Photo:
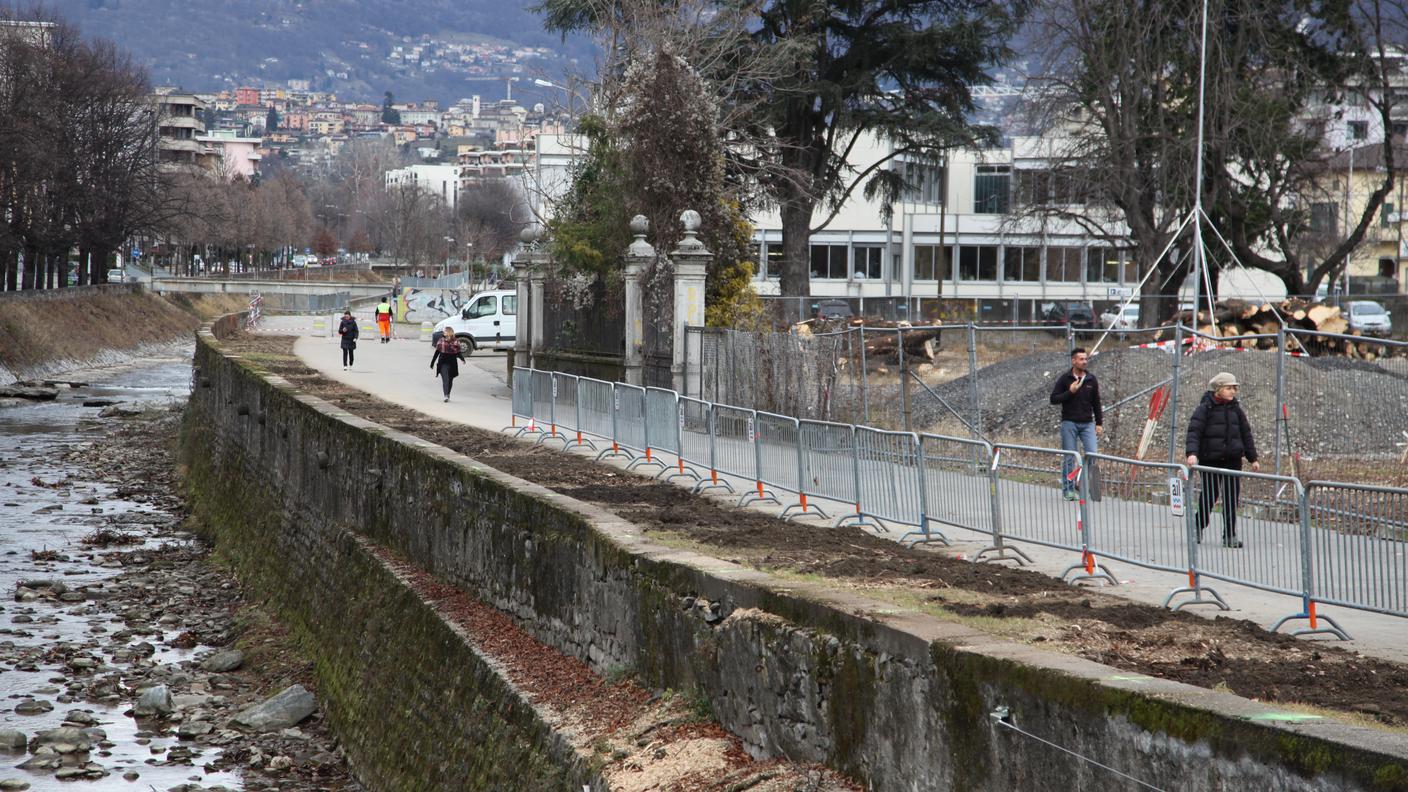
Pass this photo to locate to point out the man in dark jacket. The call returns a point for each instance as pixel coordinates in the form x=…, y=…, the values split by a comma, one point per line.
x=1078, y=393
x=1219, y=435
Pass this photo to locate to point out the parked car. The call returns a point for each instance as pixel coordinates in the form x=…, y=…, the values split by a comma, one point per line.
x=830, y=310
x=1369, y=318
x=1127, y=319
x=1076, y=314
x=120, y=276
x=488, y=321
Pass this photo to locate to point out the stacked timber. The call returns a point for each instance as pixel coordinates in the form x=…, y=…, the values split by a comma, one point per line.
x=1232, y=318
x=883, y=338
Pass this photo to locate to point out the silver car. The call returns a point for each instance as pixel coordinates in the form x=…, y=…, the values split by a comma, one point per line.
x=1369, y=318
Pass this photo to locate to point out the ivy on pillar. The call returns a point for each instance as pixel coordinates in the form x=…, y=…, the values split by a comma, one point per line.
x=639, y=256
x=692, y=261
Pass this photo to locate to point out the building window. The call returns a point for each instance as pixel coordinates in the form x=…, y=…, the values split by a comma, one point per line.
x=1102, y=265
x=870, y=262
x=1358, y=130
x=991, y=189
x=932, y=262
x=1061, y=187
x=1386, y=217
x=1063, y=264
x=977, y=263
x=1322, y=218
x=924, y=182
x=774, y=260
x=829, y=262
x=1021, y=263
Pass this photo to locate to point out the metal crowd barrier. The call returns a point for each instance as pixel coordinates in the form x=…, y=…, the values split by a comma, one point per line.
x=889, y=477
x=1325, y=542
x=957, y=477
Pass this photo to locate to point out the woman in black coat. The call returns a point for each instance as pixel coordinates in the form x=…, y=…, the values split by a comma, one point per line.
x=1219, y=436
x=347, y=328
x=446, y=360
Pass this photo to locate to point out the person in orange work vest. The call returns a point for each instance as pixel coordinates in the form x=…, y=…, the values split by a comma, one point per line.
x=383, y=320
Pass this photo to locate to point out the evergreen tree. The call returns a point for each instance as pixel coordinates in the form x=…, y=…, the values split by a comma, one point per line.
x=271, y=122
x=389, y=114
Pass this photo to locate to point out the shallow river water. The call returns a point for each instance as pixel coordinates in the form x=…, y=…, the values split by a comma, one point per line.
x=34, y=438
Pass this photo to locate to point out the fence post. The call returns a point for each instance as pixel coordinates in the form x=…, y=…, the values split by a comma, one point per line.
x=1173, y=393
x=864, y=381
x=904, y=380
x=1280, y=392
x=973, y=380
x=639, y=255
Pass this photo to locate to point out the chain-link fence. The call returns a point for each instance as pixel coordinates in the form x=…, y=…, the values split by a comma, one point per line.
x=1321, y=405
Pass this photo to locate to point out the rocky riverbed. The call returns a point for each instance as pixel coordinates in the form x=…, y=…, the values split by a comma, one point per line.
x=128, y=656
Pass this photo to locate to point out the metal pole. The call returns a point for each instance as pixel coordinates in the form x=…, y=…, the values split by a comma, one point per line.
x=1280, y=391
x=904, y=381
x=1173, y=393
x=973, y=379
x=864, y=381
x=685, y=385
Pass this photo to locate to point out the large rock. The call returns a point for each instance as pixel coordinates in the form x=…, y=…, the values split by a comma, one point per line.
x=31, y=392
x=154, y=701
x=289, y=707
x=220, y=662
x=13, y=740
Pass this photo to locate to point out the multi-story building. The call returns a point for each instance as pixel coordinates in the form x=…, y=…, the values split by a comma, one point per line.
x=238, y=156
x=442, y=181
x=246, y=96
x=178, y=126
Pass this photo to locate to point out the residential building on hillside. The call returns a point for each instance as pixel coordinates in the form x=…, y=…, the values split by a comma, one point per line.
x=178, y=125
x=442, y=181
x=238, y=156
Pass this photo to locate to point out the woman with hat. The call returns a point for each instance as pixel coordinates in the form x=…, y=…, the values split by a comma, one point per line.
x=1219, y=436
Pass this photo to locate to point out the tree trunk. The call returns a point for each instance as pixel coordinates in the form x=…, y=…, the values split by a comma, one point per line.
x=796, y=248
x=85, y=275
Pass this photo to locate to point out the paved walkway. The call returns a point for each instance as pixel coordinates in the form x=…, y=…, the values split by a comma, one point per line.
x=399, y=372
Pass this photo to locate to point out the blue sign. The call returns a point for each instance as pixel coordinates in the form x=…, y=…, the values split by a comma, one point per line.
x=136, y=252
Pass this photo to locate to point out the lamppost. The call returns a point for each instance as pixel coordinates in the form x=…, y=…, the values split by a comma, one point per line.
x=449, y=251
x=571, y=94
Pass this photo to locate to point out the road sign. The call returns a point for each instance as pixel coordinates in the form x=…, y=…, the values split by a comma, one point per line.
x=1121, y=291
x=1175, y=495
x=136, y=252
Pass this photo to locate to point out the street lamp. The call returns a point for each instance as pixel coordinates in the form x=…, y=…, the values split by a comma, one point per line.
x=449, y=251
x=571, y=94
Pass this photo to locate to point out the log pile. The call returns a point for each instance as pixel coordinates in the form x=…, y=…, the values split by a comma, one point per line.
x=919, y=345
x=1238, y=318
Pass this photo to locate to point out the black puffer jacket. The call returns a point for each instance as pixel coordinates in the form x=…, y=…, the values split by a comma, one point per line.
x=1220, y=432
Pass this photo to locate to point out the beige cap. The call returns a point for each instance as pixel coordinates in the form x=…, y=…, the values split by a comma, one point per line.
x=1222, y=379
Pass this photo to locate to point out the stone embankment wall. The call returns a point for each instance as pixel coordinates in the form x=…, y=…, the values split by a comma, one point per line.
x=287, y=484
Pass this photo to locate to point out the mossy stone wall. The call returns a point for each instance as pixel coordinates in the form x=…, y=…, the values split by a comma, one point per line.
x=898, y=700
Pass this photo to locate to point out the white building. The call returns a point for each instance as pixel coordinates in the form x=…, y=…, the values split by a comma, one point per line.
x=439, y=180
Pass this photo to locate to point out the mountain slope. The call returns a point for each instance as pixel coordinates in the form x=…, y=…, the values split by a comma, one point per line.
x=338, y=45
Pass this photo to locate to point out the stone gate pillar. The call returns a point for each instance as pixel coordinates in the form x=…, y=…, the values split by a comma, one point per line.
x=538, y=266
x=639, y=256
x=691, y=263
x=522, y=267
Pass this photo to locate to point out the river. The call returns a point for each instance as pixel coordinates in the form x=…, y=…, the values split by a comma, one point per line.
x=39, y=440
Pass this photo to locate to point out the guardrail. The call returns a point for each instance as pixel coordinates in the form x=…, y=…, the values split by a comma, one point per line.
x=1324, y=542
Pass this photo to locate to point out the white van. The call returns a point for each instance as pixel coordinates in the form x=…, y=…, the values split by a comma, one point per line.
x=488, y=321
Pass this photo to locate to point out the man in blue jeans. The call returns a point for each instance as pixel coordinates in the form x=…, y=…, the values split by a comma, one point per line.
x=1078, y=393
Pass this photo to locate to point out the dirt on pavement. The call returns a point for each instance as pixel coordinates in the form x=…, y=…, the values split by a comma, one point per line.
x=1231, y=654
